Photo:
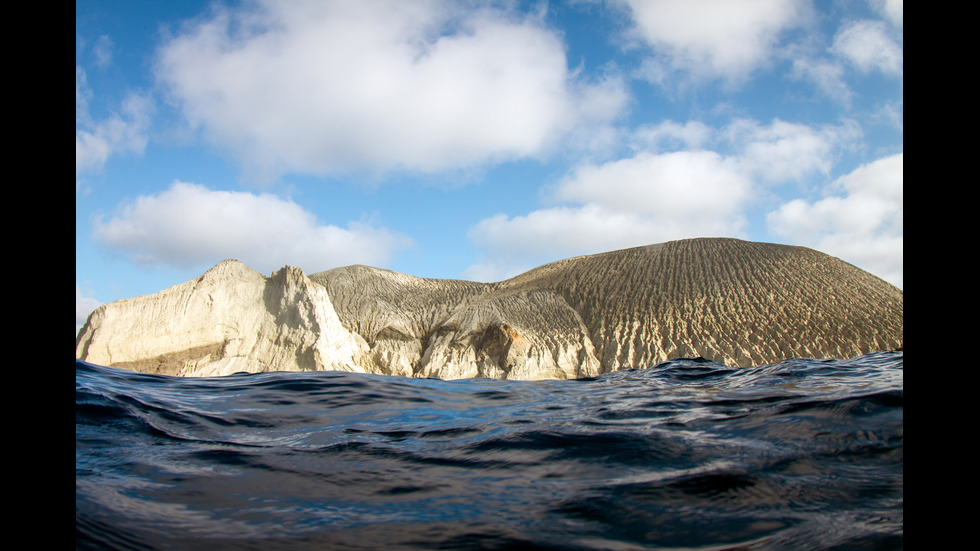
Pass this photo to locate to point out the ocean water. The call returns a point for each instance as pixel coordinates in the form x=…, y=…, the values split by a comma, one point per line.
x=686, y=455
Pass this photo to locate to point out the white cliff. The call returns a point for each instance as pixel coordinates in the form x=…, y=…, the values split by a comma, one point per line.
x=230, y=319
x=732, y=301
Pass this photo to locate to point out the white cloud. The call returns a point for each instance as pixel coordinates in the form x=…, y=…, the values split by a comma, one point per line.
x=189, y=225
x=828, y=76
x=891, y=113
x=860, y=221
x=894, y=10
x=712, y=38
x=83, y=307
x=648, y=198
x=671, y=136
x=657, y=196
x=661, y=185
x=784, y=152
x=121, y=132
x=330, y=86
x=515, y=244
x=867, y=45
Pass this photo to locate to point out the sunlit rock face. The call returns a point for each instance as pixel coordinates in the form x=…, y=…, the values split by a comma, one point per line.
x=734, y=302
x=230, y=319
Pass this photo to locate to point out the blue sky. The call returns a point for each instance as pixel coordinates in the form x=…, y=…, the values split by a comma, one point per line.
x=476, y=140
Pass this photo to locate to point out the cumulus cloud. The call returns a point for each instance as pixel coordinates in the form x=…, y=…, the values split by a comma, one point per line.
x=667, y=191
x=706, y=39
x=648, y=198
x=860, y=220
x=868, y=46
x=783, y=152
x=124, y=131
x=671, y=136
x=515, y=244
x=189, y=225
x=827, y=75
x=320, y=87
x=660, y=185
x=894, y=10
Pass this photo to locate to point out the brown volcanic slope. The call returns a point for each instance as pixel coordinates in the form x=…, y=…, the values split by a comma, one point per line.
x=735, y=302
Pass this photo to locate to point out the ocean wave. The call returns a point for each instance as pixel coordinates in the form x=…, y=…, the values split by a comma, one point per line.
x=804, y=454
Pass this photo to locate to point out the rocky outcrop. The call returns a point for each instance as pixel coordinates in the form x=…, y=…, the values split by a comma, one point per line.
x=734, y=302
x=459, y=329
x=731, y=301
x=230, y=319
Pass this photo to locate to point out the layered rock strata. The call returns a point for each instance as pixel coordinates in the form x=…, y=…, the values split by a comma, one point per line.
x=735, y=302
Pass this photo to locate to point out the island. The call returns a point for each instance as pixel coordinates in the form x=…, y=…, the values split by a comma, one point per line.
x=727, y=300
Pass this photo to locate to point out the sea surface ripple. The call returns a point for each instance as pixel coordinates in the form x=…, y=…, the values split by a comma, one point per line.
x=689, y=454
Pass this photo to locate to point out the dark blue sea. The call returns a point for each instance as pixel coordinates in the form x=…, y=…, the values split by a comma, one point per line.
x=686, y=455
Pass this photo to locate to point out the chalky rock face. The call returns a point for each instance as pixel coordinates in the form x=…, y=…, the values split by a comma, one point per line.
x=730, y=301
x=230, y=319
